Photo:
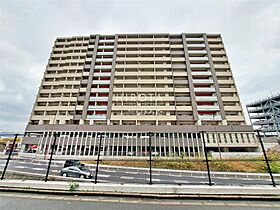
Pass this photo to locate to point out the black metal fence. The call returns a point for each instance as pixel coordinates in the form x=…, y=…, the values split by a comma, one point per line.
x=156, y=170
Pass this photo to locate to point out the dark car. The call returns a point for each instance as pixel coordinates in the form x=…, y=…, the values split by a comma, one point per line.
x=69, y=163
x=14, y=152
x=77, y=172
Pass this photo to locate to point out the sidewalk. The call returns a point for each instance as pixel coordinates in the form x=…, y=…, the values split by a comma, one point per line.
x=156, y=190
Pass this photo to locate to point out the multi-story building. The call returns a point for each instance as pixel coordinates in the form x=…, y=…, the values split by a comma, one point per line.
x=265, y=114
x=126, y=85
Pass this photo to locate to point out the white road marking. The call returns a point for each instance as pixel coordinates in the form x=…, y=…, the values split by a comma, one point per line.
x=103, y=175
x=39, y=169
x=38, y=164
x=157, y=180
x=20, y=166
x=127, y=177
x=198, y=177
x=128, y=172
x=181, y=181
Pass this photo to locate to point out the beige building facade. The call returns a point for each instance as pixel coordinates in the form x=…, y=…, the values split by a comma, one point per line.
x=126, y=85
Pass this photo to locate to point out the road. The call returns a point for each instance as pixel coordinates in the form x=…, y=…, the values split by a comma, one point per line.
x=132, y=175
x=27, y=201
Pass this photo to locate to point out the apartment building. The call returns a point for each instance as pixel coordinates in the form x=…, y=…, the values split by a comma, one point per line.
x=125, y=86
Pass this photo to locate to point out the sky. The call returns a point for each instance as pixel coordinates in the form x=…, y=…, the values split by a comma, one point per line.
x=28, y=28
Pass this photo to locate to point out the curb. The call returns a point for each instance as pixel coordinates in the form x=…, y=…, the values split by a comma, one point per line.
x=136, y=190
x=135, y=195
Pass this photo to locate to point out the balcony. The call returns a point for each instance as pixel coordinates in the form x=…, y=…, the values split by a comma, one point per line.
x=206, y=98
x=100, y=90
x=184, y=118
x=101, y=82
x=102, y=67
x=87, y=66
x=203, y=81
x=97, y=108
x=210, y=117
x=98, y=98
x=197, y=52
x=195, y=39
x=204, y=90
x=199, y=66
x=208, y=108
x=199, y=59
x=104, y=59
x=236, y=118
x=106, y=41
x=201, y=73
x=181, y=90
x=229, y=81
x=96, y=117
x=194, y=46
x=101, y=74
x=221, y=66
x=233, y=108
x=106, y=47
x=104, y=53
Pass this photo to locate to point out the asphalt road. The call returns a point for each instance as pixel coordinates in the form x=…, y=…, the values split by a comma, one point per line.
x=119, y=175
x=27, y=201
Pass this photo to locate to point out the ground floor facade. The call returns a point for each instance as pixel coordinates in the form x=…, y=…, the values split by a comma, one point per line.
x=127, y=141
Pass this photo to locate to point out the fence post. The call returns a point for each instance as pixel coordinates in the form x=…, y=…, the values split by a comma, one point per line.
x=52, y=150
x=206, y=158
x=266, y=159
x=9, y=157
x=98, y=158
x=150, y=154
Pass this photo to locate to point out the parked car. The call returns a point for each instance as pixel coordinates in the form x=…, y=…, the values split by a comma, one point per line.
x=69, y=163
x=14, y=152
x=77, y=172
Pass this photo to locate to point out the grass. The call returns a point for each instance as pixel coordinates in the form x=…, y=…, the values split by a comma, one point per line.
x=254, y=165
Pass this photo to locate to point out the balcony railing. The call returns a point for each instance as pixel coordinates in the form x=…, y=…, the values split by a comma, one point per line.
x=104, y=53
x=103, y=67
x=106, y=41
x=201, y=73
x=206, y=65
x=203, y=81
x=104, y=60
x=208, y=108
x=199, y=59
x=195, y=45
x=206, y=98
x=106, y=47
x=204, y=90
x=98, y=108
x=101, y=82
x=96, y=117
x=100, y=90
x=197, y=51
x=107, y=74
x=209, y=117
x=96, y=98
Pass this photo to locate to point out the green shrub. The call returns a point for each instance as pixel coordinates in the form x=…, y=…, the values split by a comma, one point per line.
x=73, y=186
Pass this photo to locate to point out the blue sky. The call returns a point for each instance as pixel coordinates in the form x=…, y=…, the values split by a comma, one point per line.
x=250, y=30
